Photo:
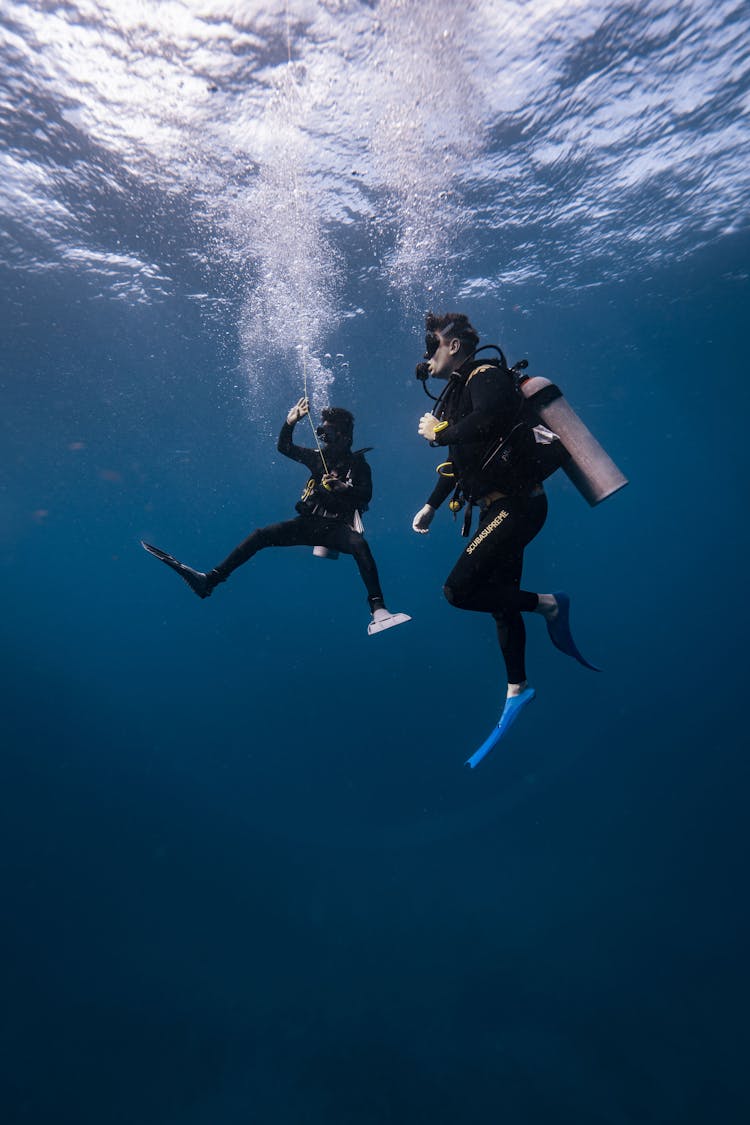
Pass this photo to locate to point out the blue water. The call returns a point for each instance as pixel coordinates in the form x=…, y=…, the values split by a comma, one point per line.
x=246, y=878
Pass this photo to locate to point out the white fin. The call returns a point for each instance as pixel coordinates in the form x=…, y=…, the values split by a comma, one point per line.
x=382, y=619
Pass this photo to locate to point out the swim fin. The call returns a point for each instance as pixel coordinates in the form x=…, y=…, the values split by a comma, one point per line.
x=200, y=583
x=560, y=634
x=382, y=619
x=514, y=705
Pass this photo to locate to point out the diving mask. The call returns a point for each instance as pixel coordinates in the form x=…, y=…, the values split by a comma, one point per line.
x=330, y=435
x=432, y=340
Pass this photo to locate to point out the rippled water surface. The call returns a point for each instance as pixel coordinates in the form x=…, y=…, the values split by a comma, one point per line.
x=285, y=152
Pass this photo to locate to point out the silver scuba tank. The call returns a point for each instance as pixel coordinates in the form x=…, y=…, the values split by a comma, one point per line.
x=589, y=467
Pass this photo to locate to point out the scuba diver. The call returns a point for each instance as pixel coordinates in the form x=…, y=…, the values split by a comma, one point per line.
x=495, y=462
x=328, y=519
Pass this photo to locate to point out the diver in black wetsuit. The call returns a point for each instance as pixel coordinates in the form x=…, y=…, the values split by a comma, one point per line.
x=339, y=488
x=492, y=462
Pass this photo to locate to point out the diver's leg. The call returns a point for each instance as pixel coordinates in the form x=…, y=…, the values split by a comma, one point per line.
x=306, y=531
x=511, y=630
x=289, y=533
x=350, y=542
x=492, y=582
x=486, y=577
x=511, y=635
x=203, y=584
x=345, y=539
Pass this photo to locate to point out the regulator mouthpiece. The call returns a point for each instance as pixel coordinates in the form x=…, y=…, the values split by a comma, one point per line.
x=422, y=372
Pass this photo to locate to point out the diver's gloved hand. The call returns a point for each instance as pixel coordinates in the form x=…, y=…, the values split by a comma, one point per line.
x=423, y=519
x=299, y=410
x=427, y=425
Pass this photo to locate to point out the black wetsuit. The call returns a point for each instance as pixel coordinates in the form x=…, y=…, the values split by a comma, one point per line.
x=481, y=403
x=326, y=518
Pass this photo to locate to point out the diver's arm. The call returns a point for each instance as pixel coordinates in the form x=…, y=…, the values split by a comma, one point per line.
x=424, y=517
x=441, y=491
x=308, y=457
x=494, y=409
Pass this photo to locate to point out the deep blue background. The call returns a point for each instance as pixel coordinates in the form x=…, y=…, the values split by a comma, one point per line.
x=245, y=876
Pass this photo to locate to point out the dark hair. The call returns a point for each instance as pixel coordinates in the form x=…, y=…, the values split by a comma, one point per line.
x=341, y=420
x=453, y=324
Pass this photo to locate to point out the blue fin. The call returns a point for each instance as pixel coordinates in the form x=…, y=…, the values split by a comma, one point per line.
x=514, y=705
x=560, y=634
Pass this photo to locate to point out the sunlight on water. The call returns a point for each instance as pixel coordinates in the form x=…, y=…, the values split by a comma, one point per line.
x=289, y=151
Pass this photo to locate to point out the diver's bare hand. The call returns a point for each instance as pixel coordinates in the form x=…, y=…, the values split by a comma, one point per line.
x=299, y=410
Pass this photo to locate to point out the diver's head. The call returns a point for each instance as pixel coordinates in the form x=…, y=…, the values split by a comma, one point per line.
x=450, y=339
x=336, y=429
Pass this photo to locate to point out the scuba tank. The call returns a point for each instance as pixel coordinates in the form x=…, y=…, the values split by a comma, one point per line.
x=585, y=462
x=589, y=467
